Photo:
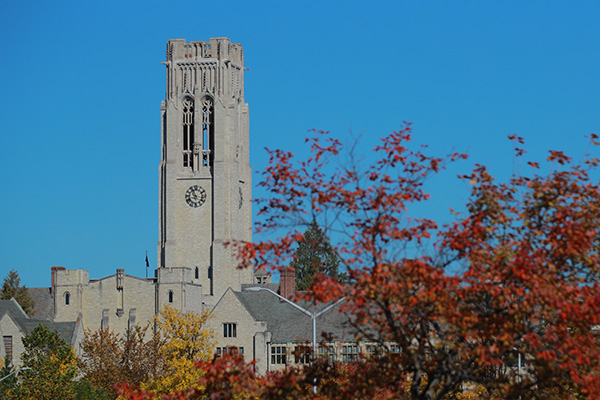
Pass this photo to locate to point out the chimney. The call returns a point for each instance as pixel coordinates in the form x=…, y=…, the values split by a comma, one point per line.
x=287, y=282
x=53, y=284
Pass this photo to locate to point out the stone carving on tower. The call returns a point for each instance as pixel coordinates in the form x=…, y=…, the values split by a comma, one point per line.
x=205, y=173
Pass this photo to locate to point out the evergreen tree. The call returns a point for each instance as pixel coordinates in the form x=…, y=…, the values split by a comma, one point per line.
x=12, y=288
x=314, y=255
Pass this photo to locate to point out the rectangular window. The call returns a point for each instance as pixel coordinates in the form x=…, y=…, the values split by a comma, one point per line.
x=104, y=322
x=278, y=355
x=349, y=353
x=327, y=353
x=302, y=354
x=229, y=329
x=373, y=350
x=229, y=350
x=8, y=347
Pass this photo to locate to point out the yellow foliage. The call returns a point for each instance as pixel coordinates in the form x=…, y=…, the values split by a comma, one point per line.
x=186, y=339
x=473, y=393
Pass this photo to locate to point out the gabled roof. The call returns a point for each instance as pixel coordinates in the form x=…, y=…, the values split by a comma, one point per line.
x=12, y=308
x=66, y=330
x=288, y=324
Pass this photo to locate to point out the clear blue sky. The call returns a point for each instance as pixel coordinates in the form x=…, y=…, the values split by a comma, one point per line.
x=82, y=84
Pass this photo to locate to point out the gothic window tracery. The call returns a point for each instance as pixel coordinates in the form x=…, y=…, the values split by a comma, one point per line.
x=188, y=132
x=207, y=131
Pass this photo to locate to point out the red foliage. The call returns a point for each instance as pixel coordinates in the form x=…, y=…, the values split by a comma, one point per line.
x=515, y=277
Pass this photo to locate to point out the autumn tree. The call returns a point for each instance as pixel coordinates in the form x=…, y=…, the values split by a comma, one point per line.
x=132, y=358
x=186, y=339
x=524, y=259
x=12, y=288
x=51, y=367
x=514, y=278
x=314, y=255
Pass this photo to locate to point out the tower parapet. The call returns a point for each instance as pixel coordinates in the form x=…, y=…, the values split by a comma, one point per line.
x=215, y=67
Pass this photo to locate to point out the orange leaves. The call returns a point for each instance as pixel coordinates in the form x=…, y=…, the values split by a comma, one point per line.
x=559, y=157
x=524, y=258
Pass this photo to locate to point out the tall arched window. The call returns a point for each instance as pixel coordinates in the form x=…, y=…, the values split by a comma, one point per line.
x=170, y=296
x=67, y=298
x=207, y=131
x=188, y=132
x=197, y=273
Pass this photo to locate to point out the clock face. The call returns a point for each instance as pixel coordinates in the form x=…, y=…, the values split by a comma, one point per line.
x=195, y=196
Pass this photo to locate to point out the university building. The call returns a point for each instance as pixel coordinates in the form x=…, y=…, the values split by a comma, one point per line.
x=205, y=192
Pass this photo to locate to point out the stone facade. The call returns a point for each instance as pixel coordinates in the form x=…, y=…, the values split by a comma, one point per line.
x=120, y=301
x=236, y=328
x=205, y=177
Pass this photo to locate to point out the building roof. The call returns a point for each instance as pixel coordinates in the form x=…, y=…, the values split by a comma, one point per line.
x=43, y=307
x=66, y=330
x=12, y=308
x=288, y=324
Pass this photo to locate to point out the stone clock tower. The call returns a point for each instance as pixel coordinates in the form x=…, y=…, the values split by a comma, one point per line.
x=205, y=173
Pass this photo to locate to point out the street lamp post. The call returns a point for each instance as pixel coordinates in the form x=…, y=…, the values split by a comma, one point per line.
x=312, y=315
x=14, y=372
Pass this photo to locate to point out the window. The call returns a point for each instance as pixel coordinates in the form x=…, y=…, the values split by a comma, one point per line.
x=302, y=354
x=229, y=330
x=394, y=348
x=104, y=322
x=188, y=132
x=278, y=354
x=327, y=353
x=349, y=353
x=207, y=131
x=197, y=273
x=373, y=350
x=67, y=298
x=8, y=347
x=170, y=296
x=131, y=320
x=229, y=350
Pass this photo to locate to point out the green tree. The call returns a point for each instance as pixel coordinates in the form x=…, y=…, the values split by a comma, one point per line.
x=315, y=255
x=53, y=367
x=8, y=386
x=85, y=391
x=12, y=288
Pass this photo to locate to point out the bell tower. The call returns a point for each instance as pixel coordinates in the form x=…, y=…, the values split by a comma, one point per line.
x=204, y=172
